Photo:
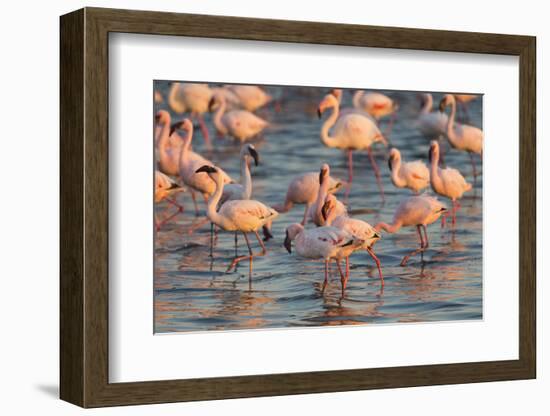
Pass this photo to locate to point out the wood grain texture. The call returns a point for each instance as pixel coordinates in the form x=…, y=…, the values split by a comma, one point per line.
x=84, y=204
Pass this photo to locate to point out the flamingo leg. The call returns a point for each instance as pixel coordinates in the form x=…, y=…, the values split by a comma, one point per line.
x=418, y=250
x=474, y=170
x=391, y=122
x=236, y=243
x=204, y=131
x=175, y=203
x=251, y=255
x=194, y=197
x=211, y=240
x=350, y=166
x=325, y=282
x=306, y=210
x=159, y=224
x=377, y=261
x=376, y=172
x=343, y=279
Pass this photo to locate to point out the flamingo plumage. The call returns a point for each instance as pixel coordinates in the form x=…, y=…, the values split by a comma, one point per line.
x=251, y=97
x=315, y=214
x=415, y=211
x=413, y=175
x=432, y=124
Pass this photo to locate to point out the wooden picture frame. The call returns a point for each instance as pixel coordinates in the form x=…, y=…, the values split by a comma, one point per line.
x=84, y=207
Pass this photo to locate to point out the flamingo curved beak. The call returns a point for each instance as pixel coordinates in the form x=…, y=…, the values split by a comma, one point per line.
x=288, y=243
x=442, y=105
x=390, y=162
x=254, y=153
x=206, y=169
x=211, y=104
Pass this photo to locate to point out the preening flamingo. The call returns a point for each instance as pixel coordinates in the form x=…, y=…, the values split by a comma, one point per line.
x=189, y=162
x=350, y=132
x=245, y=216
x=164, y=187
x=462, y=136
x=251, y=97
x=315, y=214
x=415, y=211
x=413, y=175
x=192, y=98
x=446, y=182
x=376, y=104
x=327, y=243
x=240, y=124
x=359, y=229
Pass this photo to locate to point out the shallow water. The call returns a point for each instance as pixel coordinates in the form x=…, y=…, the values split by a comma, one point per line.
x=192, y=292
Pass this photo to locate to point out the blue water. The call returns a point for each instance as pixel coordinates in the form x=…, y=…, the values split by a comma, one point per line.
x=192, y=292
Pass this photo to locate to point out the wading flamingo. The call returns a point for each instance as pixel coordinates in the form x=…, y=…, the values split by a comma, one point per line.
x=164, y=187
x=446, y=182
x=462, y=136
x=413, y=175
x=315, y=214
x=351, y=132
x=327, y=243
x=189, y=162
x=359, y=229
x=192, y=98
x=251, y=97
x=376, y=104
x=240, y=124
x=245, y=216
x=243, y=189
x=415, y=211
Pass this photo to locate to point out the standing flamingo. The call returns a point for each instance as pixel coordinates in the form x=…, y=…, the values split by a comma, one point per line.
x=413, y=175
x=192, y=98
x=243, y=189
x=238, y=215
x=240, y=124
x=419, y=211
x=462, y=136
x=251, y=97
x=315, y=211
x=376, y=104
x=463, y=100
x=432, y=124
x=351, y=132
x=327, y=243
x=359, y=229
x=446, y=182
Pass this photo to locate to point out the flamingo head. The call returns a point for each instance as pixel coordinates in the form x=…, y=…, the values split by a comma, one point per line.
x=215, y=101
x=447, y=100
x=330, y=101
x=162, y=116
x=434, y=151
x=395, y=155
x=337, y=92
x=185, y=125
x=250, y=151
x=291, y=232
x=209, y=170
x=324, y=173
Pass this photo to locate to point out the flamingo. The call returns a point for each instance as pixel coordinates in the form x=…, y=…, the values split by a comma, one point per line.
x=462, y=136
x=189, y=162
x=192, y=98
x=327, y=243
x=243, y=189
x=164, y=187
x=251, y=97
x=376, y=104
x=240, y=124
x=446, y=182
x=351, y=132
x=432, y=124
x=158, y=97
x=303, y=189
x=339, y=93
x=238, y=215
x=415, y=211
x=413, y=175
x=315, y=211
x=463, y=100
x=359, y=229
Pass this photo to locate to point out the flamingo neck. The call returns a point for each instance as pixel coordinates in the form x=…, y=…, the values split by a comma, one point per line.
x=329, y=122
x=173, y=101
x=217, y=119
x=164, y=139
x=389, y=228
x=356, y=98
x=246, y=179
x=396, y=174
x=211, y=211
x=435, y=178
x=321, y=197
x=451, y=124
x=427, y=108
x=184, y=150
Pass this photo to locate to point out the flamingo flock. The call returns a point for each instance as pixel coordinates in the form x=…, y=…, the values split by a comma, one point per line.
x=329, y=230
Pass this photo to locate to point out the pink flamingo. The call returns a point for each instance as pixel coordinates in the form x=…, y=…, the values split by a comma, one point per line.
x=413, y=175
x=315, y=211
x=418, y=211
x=350, y=132
x=164, y=187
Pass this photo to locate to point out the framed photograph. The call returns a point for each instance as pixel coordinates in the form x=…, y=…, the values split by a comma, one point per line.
x=257, y=207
